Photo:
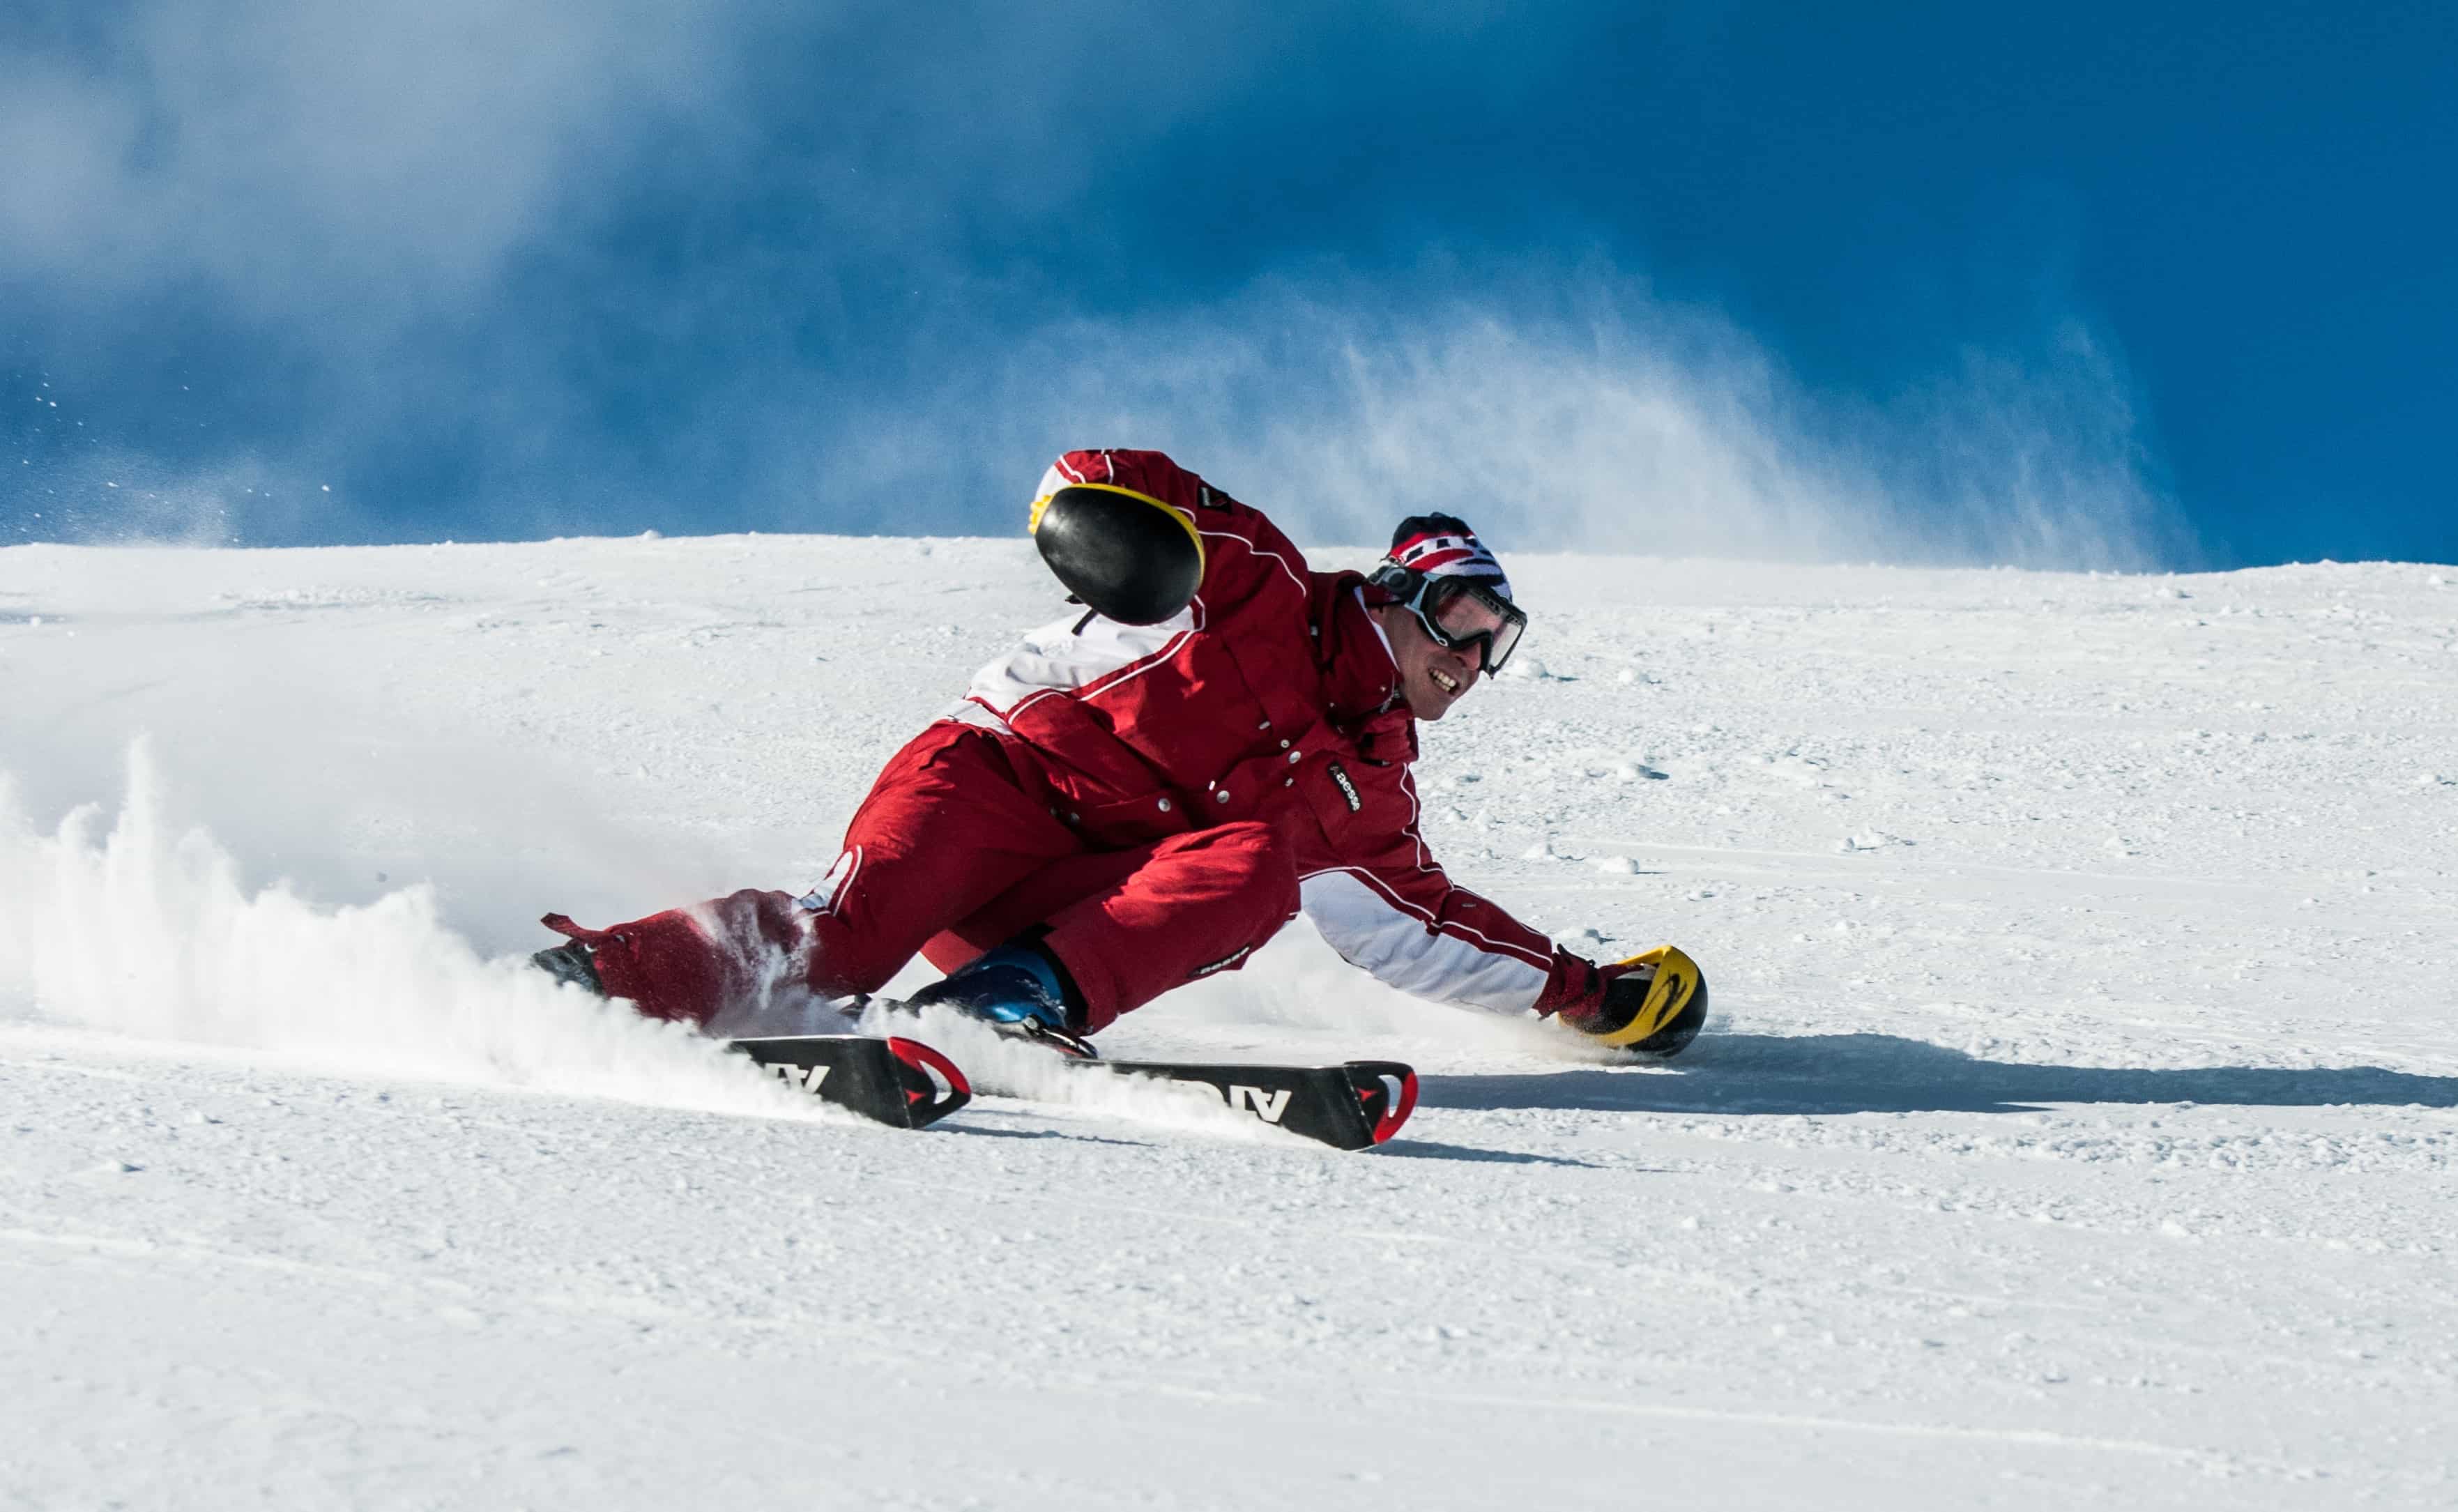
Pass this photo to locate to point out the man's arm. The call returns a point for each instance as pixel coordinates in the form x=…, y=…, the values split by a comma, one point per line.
x=1248, y=564
x=1385, y=905
x=1135, y=536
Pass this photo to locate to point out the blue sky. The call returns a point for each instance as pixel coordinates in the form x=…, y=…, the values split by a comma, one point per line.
x=2078, y=287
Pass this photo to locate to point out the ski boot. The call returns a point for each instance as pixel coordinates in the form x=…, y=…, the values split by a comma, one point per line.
x=1019, y=989
x=573, y=963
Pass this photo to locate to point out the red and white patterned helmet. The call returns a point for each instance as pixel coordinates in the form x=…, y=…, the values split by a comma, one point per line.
x=1443, y=546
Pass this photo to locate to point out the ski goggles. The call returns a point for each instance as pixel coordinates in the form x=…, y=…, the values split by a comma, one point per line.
x=1459, y=612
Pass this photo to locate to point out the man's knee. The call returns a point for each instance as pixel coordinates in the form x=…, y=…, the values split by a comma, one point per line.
x=1254, y=859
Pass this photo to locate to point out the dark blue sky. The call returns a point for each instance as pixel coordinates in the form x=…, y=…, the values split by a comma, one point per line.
x=2089, y=284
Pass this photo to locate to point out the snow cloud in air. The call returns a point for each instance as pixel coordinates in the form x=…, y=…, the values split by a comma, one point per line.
x=1561, y=410
x=405, y=272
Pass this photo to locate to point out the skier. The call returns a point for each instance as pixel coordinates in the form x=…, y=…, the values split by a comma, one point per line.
x=1142, y=795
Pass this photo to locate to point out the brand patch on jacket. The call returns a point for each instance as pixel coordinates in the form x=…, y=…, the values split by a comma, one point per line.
x=1223, y=963
x=1347, y=789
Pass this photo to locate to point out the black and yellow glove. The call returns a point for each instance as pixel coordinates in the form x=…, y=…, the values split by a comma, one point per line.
x=1126, y=555
x=1653, y=1004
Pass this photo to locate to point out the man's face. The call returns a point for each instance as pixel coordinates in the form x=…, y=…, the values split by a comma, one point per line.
x=1433, y=676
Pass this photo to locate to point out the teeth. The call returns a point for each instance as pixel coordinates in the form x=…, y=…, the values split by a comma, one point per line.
x=1444, y=681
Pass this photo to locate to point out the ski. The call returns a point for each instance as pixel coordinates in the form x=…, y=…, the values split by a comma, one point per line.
x=895, y=1081
x=1355, y=1105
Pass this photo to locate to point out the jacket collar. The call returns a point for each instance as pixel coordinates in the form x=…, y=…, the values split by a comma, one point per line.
x=1361, y=680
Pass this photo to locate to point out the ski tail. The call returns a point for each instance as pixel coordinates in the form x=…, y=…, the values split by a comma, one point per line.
x=894, y=1081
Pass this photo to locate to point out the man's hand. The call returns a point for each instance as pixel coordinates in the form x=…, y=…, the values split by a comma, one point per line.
x=1582, y=994
x=1125, y=555
x=1652, y=1003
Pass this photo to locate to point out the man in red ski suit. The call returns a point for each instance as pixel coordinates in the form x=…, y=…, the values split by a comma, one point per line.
x=1115, y=809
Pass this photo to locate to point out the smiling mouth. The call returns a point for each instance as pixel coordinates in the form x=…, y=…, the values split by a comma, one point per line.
x=1444, y=680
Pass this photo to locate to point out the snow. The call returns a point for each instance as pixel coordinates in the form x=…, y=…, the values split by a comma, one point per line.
x=2076, y=1129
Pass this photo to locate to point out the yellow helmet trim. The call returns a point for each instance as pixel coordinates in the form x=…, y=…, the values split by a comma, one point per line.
x=1675, y=984
x=1033, y=524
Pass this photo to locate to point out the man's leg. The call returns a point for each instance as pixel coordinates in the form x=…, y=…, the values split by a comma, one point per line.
x=1129, y=925
x=948, y=826
x=1030, y=902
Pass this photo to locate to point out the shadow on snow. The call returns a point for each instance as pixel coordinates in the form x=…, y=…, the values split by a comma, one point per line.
x=1432, y=1149
x=1885, y=1073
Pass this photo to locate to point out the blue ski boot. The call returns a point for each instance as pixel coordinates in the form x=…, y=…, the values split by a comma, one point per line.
x=1021, y=990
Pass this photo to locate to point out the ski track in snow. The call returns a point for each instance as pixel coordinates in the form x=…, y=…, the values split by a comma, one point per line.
x=2078, y=1126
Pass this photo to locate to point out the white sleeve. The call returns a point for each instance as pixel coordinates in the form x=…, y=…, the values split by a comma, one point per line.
x=1084, y=654
x=1377, y=929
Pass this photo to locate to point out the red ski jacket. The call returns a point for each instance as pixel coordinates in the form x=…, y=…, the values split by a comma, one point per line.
x=1273, y=696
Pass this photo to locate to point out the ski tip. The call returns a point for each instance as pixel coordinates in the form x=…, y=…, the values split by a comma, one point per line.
x=902, y=1083
x=1386, y=1093
x=934, y=1085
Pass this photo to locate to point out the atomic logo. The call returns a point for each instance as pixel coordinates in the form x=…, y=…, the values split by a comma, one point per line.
x=807, y=1077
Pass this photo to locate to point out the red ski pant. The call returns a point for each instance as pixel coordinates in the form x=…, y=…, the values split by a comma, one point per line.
x=954, y=852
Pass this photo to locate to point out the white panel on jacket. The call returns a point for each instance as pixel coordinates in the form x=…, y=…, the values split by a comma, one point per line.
x=1054, y=655
x=1371, y=929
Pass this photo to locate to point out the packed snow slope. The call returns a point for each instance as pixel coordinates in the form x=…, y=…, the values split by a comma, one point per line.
x=2078, y=1126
